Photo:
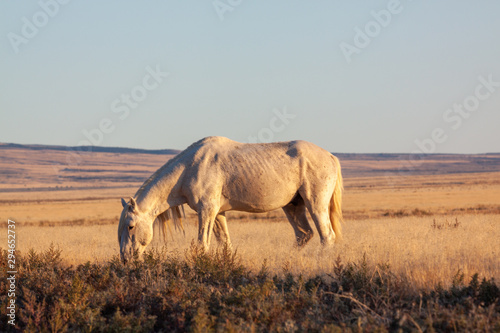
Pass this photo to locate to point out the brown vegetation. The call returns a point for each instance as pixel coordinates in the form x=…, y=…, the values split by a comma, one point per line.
x=414, y=242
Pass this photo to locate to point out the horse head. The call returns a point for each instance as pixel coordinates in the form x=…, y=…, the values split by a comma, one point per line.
x=135, y=231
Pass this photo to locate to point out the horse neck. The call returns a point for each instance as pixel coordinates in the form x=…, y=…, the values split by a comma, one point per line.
x=161, y=191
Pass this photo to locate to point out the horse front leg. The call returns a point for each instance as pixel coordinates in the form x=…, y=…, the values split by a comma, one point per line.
x=206, y=220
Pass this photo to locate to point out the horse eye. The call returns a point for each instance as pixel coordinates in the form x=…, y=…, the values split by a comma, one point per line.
x=130, y=227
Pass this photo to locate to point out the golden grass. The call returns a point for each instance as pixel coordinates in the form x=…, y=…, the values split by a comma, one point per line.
x=412, y=246
x=61, y=194
x=365, y=197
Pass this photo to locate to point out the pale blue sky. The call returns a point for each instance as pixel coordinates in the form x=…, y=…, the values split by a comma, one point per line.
x=229, y=77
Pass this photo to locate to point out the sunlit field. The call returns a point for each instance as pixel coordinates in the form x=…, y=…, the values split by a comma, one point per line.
x=419, y=252
x=425, y=250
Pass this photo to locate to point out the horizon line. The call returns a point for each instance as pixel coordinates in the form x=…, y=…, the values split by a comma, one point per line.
x=172, y=151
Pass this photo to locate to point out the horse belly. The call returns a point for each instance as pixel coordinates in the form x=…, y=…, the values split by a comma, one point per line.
x=259, y=195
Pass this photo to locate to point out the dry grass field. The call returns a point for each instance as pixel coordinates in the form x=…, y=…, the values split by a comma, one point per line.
x=389, y=214
x=426, y=250
x=429, y=224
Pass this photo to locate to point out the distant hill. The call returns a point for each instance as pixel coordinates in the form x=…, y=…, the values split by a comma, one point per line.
x=33, y=166
x=343, y=156
x=405, y=156
x=96, y=149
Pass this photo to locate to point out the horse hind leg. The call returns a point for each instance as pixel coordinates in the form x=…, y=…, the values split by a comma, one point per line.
x=318, y=207
x=322, y=221
x=297, y=216
x=220, y=230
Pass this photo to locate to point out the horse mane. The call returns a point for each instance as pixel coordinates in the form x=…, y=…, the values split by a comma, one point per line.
x=169, y=166
x=173, y=214
x=163, y=221
x=154, y=177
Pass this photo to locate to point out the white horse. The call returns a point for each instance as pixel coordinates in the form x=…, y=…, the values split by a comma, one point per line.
x=215, y=175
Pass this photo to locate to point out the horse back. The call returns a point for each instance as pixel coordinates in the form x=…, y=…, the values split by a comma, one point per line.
x=254, y=177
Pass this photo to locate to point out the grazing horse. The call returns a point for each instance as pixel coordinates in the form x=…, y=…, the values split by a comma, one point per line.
x=216, y=174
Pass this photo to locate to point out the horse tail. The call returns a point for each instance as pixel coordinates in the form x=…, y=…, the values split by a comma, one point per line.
x=336, y=202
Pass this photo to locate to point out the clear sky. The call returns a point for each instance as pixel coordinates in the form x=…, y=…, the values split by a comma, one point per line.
x=350, y=76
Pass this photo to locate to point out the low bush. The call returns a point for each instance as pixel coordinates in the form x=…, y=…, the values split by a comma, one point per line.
x=214, y=291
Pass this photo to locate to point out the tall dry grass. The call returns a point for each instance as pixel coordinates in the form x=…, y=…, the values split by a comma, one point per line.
x=425, y=250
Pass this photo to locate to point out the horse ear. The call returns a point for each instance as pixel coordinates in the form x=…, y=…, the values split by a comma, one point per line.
x=124, y=203
x=133, y=205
